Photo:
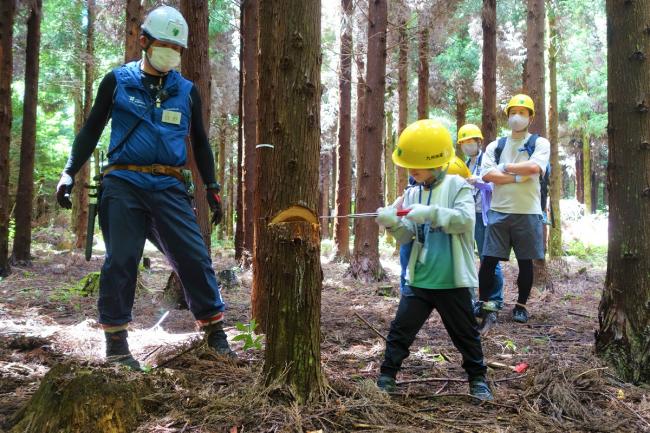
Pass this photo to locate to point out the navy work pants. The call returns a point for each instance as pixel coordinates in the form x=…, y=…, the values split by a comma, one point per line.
x=127, y=216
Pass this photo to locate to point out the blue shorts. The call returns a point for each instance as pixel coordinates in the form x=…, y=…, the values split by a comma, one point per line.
x=521, y=232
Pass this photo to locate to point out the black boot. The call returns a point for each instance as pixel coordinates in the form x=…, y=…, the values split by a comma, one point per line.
x=217, y=340
x=117, y=350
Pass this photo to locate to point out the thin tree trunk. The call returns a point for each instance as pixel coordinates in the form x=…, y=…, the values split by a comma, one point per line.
x=423, y=67
x=239, y=230
x=325, y=167
x=586, y=171
x=287, y=247
x=221, y=169
x=580, y=179
x=534, y=86
x=196, y=67
x=132, y=50
x=555, y=238
x=402, y=95
x=489, y=24
x=624, y=317
x=534, y=72
x=250, y=29
x=461, y=114
x=7, y=12
x=344, y=165
x=25, y=192
x=365, y=263
x=389, y=167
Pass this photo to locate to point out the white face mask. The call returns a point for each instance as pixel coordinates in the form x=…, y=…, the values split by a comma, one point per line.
x=518, y=123
x=470, y=149
x=164, y=59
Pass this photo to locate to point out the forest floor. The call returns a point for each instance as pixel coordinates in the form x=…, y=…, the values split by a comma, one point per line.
x=44, y=320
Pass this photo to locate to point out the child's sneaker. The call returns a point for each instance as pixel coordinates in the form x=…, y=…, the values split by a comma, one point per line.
x=386, y=383
x=479, y=388
x=520, y=314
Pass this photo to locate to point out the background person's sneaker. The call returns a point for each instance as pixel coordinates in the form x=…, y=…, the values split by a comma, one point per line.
x=479, y=388
x=386, y=383
x=520, y=314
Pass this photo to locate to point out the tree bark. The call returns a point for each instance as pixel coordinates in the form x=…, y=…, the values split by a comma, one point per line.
x=325, y=167
x=423, y=67
x=25, y=192
x=365, y=263
x=624, y=314
x=555, y=238
x=461, y=114
x=239, y=230
x=489, y=24
x=196, y=67
x=402, y=94
x=580, y=180
x=344, y=156
x=586, y=171
x=232, y=198
x=534, y=72
x=7, y=13
x=221, y=170
x=389, y=167
x=250, y=29
x=132, y=50
x=287, y=245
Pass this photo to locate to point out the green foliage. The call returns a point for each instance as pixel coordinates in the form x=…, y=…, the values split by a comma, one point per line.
x=595, y=254
x=248, y=336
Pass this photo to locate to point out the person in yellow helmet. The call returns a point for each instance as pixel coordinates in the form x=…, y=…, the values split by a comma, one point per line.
x=515, y=164
x=440, y=269
x=470, y=139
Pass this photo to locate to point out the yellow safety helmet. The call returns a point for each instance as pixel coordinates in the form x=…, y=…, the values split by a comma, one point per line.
x=424, y=144
x=469, y=131
x=458, y=166
x=521, y=100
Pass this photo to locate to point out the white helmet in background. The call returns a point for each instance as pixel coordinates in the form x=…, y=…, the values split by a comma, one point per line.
x=166, y=24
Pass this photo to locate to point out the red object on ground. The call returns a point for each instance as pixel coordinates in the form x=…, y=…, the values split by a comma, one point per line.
x=521, y=367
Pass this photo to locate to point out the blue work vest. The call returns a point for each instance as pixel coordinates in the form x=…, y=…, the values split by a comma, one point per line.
x=152, y=141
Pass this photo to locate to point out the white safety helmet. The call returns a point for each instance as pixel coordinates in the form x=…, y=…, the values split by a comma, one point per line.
x=166, y=24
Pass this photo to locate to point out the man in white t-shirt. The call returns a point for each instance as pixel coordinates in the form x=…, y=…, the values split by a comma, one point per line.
x=515, y=165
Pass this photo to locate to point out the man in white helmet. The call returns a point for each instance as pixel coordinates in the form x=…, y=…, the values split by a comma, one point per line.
x=152, y=108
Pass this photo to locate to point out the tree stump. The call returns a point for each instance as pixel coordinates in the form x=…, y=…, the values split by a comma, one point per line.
x=174, y=295
x=78, y=399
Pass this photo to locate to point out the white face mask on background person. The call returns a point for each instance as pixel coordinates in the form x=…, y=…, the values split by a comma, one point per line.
x=164, y=59
x=517, y=122
x=470, y=149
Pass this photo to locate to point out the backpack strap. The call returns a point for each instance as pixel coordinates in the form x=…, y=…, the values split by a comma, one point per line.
x=530, y=144
x=501, y=144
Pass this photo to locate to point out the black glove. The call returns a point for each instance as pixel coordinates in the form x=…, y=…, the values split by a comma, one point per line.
x=63, y=190
x=214, y=200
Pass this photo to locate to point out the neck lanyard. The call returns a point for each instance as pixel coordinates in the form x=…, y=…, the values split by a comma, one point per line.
x=423, y=227
x=476, y=164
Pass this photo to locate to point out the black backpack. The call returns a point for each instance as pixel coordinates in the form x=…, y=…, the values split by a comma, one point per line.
x=544, y=178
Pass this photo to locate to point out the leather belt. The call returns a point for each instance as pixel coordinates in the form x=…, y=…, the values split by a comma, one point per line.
x=155, y=169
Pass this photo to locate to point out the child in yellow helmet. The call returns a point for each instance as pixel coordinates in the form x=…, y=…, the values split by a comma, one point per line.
x=441, y=267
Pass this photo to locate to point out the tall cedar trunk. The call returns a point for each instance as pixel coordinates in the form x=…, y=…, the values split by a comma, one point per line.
x=196, y=67
x=239, y=231
x=595, y=184
x=221, y=168
x=25, y=193
x=402, y=95
x=580, y=179
x=287, y=251
x=250, y=30
x=344, y=157
x=333, y=183
x=423, y=67
x=624, y=317
x=534, y=86
x=7, y=12
x=132, y=50
x=365, y=263
x=534, y=83
x=489, y=116
x=555, y=237
x=79, y=216
x=586, y=171
x=325, y=167
x=83, y=177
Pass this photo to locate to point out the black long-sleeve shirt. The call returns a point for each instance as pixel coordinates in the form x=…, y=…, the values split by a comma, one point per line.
x=85, y=142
